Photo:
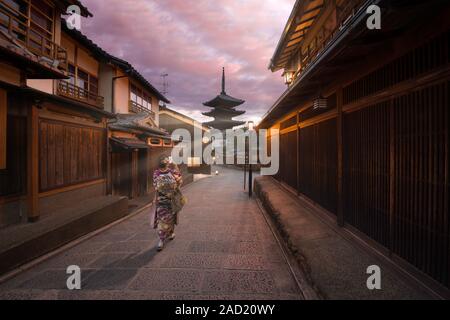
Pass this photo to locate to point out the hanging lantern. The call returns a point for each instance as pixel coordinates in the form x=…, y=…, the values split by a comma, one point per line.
x=320, y=103
x=251, y=126
x=288, y=76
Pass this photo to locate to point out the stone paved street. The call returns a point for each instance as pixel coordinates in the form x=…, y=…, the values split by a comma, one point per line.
x=223, y=250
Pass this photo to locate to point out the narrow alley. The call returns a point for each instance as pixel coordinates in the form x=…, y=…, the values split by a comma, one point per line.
x=224, y=249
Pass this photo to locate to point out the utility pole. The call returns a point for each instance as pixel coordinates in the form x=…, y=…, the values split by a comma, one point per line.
x=165, y=83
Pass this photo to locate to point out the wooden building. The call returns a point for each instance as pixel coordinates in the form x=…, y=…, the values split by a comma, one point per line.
x=367, y=112
x=53, y=146
x=171, y=120
x=135, y=141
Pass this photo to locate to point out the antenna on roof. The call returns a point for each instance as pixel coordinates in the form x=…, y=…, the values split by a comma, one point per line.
x=165, y=84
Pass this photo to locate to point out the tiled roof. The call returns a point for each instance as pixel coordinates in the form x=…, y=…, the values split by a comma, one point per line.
x=102, y=54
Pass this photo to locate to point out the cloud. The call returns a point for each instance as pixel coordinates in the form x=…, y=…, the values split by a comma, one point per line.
x=191, y=40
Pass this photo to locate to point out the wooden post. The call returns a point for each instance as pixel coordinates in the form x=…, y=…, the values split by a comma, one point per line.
x=340, y=163
x=391, y=176
x=108, y=163
x=134, y=174
x=33, y=164
x=3, y=127
x=298, y=153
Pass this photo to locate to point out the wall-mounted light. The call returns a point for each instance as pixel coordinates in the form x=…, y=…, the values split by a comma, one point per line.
x=205, y=140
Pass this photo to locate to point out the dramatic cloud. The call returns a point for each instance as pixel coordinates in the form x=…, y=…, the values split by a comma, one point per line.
x=191, y=40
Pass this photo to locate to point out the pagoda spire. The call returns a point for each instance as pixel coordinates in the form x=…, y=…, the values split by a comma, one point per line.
x=223, y=109
x=223, y=81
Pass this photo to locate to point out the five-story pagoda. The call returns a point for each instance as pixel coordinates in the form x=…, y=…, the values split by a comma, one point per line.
x=224, y=110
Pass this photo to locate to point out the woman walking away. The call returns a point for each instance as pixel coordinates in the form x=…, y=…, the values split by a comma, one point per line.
x=178, y=200
x=165, y=184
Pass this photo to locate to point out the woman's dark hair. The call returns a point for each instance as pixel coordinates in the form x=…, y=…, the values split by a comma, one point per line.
x=163, y=162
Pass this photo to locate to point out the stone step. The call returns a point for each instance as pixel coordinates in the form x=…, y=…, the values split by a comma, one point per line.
x=22, y=243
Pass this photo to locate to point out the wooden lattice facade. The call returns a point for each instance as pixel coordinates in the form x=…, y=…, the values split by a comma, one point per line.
x=376, y=159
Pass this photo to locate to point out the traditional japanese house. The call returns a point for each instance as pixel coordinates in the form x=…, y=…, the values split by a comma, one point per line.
x=135, y=140
x=171, y=120
x=53, y=133
x=367, y=112
x=55, y=129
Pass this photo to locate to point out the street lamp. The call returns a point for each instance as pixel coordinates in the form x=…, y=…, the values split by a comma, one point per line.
x=251, y=128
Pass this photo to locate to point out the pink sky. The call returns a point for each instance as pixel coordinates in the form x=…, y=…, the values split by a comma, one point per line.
x=191, y=40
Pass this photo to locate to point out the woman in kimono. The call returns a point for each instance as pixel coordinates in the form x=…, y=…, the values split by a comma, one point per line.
x=165, y=184
x=178, y=199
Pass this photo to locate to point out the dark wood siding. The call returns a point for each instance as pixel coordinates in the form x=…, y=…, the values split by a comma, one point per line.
x=421, y=221
x=69, y=154
x=318, y=163
x=288, y=158
x=366, y=171
x=121, y=173
x=429, y=57
x=13, y=180
x=395, y=157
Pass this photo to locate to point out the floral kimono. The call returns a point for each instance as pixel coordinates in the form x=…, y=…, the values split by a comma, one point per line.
x=165, y=185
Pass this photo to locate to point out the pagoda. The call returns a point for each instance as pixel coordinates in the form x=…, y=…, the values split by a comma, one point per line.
x=223, y=110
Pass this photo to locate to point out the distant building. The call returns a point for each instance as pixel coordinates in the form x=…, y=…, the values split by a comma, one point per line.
x=223, y=110
x=171, y=120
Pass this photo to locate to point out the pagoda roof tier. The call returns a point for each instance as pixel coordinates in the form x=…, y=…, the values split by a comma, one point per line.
x=223, y=112
x=223, y=124
x=223, y=100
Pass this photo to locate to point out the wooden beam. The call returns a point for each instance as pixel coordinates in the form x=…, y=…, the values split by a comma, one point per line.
x=320, y=6
x=109, y=181
x=134, y=174
x=306, y=20
x=33, y=164
x=71, y=188
x=391, y=176
x=3, y=128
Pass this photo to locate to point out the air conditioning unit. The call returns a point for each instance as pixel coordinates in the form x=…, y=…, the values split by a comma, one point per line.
x=320, y=103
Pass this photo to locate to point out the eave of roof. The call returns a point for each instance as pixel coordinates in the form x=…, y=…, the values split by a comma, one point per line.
x=332, y=46
x=84, y=10
x=187, y=119
x=224, y=100
x=68, y=102
x=85, y=41
x=135, y=122
x=286, y=30
x=304, y=14
x=130, y=70
x=224, y=124
x=223, y=111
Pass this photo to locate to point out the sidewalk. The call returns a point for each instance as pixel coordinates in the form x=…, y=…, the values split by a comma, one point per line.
x=335, y=266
